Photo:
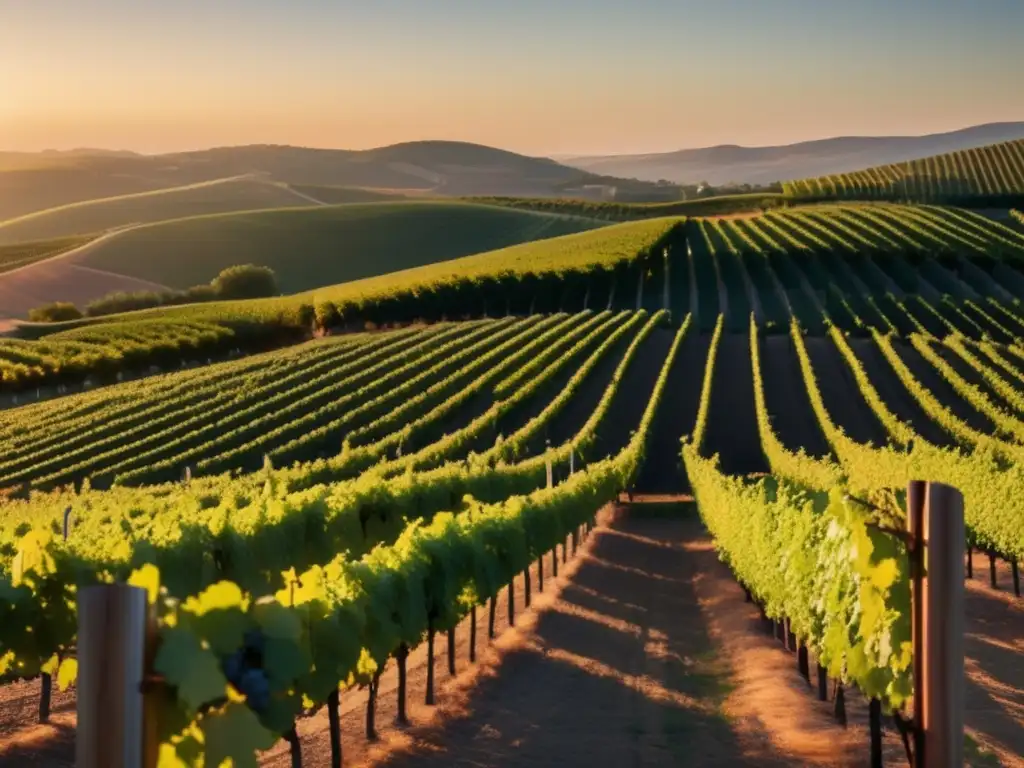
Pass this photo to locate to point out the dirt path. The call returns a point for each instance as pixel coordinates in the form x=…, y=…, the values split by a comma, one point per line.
x=643, y=652
x=994, y=662
x=648, y=656
x=300, y=195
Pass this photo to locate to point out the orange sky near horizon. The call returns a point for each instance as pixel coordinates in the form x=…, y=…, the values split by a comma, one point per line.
x=654, y=76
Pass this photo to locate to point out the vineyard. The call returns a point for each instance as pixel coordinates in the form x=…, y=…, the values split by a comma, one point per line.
x=991, y=173
x=305, y=516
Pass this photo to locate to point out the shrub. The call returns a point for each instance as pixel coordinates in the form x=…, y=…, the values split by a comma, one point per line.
x=57, y=312
x=121, y=301
x=200, y=293
x=246, y=282
x=327, y=315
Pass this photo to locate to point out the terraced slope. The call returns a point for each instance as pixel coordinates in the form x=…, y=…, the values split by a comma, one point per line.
x=968, y=176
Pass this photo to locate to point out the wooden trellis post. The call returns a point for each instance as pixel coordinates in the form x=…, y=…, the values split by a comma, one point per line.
x=936, y=520
x=112, y=731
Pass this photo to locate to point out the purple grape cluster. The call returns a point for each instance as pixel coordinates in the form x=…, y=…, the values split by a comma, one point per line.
x=244, y=670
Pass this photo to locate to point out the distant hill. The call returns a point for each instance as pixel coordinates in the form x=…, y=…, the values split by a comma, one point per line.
x=33, y=182
x=307, y=247
x=765, y=165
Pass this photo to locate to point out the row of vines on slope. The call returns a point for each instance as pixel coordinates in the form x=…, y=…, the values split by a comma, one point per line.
x=249, y=529
x=809, y=556
x=993, y=507
x=338, y=621
x=987, y=174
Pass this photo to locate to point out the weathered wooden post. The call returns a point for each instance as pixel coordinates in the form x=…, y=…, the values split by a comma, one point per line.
x=112, y=630
x=936, y=517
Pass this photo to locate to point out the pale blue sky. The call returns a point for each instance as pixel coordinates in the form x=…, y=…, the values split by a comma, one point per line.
x=537, y=76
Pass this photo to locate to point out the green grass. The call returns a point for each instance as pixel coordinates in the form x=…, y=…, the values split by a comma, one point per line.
x=223, y=195
x=602, y=248
x=22, y=254
x=330, y=195
x=312, y=247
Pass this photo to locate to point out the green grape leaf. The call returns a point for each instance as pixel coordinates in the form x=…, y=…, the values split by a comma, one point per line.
x=173, y=721
x=33, y=556
x=283, y=660
x=220, y=596
x=147, y=577
x=176, y=756
x=883, y=575
x=234, y=734
x=277, y=621
x=67, y=673
x=190, y=668
x=51, y=665
x=281, y=712
x=219, y=616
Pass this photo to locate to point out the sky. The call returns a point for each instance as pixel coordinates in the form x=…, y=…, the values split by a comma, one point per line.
x=542, y=77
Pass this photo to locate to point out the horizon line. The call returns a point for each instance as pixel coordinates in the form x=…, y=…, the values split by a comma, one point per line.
x=551, y=156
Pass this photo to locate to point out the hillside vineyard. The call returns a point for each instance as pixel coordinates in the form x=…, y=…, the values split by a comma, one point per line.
x=994, y=173
x=340, y=500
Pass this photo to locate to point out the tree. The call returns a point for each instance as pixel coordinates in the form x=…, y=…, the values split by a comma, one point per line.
x=246, y=281
x=57, y=312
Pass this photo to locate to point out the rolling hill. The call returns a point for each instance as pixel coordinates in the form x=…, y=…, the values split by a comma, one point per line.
x=991, y=175
x=238, y=193
x=765, y=165
x=35, y=182
x=308, y=248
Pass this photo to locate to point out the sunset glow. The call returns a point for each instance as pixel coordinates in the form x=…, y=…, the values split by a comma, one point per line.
x=568, y=77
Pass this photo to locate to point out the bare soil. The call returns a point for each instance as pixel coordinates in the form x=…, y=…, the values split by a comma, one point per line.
x=930, y=377
x=966, y=371
x=568, y=421
x=662, y=471
x=539, y=400
x=732, y=422
x=895, y=395
x=787, y=399
x=634, y=662
x=843, y=399
x=994, y=662
x=642, y=652
x=633, y=395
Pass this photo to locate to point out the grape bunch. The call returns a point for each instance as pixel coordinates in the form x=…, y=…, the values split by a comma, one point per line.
x=244, y=670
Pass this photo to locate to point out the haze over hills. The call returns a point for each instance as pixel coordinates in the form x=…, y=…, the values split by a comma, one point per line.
x=764, y=165
x=307, y=247
x=33, y=182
